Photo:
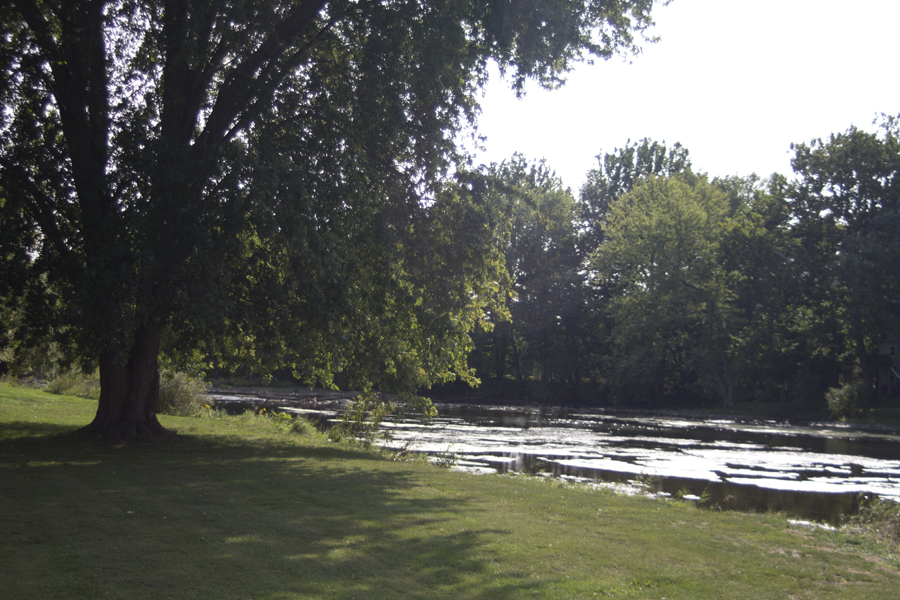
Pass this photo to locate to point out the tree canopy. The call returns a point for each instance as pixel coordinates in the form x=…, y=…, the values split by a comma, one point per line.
x=266, y=180
x=539, y=240
x=846, y=203
x=674, y=296
x=661, y=286
x=618, y=172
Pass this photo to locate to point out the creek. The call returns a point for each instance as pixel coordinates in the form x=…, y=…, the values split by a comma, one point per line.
x=812, y=471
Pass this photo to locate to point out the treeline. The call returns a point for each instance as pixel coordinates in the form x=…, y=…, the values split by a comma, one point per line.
x=659, y=286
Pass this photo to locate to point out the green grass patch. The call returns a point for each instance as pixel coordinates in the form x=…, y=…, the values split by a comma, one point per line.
x=247, y=508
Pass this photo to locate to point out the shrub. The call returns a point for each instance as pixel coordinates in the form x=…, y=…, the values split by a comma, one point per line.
x=76, y=383
x=23, y=382
x=878, y=519
x=281, y=421
x=336, y=434
x=179, y=394
x=362, y=419
x=302, y=426
x=846, y=401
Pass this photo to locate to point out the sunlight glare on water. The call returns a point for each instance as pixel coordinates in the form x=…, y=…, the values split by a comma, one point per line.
x=815, y=471
x=823, y=462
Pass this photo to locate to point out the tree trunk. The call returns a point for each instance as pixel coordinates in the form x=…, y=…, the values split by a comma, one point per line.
x=129, y=391
x=863, y=357
x=573, y=361
x=723, y=377
x=500, y=356
x=727, y=382
x=517, y=363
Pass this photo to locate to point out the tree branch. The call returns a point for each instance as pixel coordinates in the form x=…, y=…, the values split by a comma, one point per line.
x=41, y=205
x=242, y=85
x=79, y=86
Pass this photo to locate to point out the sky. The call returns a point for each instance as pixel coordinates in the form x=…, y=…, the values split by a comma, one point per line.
x=735, y=82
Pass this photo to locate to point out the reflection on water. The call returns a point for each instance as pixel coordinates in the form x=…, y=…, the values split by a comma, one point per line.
x=815, y=471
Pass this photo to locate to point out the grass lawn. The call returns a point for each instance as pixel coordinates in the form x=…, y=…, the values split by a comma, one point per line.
x=240, y=507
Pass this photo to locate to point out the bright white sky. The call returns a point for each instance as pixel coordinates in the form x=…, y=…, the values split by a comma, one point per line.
x=735, y=82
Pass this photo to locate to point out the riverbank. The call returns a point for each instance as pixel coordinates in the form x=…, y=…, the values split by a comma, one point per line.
x=880, y=416
x=244, y=507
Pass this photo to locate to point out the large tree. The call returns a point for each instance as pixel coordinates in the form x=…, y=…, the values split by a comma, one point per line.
x=779, y=351
x=617, y=173
x=673, y=311
x=845, y=201
x=537, y=229
x=262, y=175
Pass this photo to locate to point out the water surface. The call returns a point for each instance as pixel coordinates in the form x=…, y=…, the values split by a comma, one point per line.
x=814, y=471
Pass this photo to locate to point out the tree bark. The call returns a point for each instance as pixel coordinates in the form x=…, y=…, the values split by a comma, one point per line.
x=864, y=366
x=727, y=382
x=499, y=356
x=723, y=377
x=129, y=391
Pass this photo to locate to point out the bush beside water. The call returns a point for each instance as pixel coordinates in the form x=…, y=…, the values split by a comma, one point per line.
x=846, y=401
x=179, y=394
x=878, y=520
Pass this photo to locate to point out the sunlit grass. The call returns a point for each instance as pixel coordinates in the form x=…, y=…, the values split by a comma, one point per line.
x=242, y=507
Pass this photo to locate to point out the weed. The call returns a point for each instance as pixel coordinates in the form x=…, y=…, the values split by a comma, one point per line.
x=445, y=459
x=650, y=484
x=705, y=498
x=212, y=411
x=364, y=416
x=22, y=382
x=878, y=520
x=685, y=495
x=336, y=434
x=302, y=426
x=282, y=421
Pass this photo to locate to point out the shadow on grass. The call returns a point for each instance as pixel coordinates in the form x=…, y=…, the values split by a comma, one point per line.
x=46, y=432
x=222, y=519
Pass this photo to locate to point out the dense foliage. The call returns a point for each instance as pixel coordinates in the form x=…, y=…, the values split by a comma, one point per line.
x=680, y=290
x=543, y=261
x=264, y=182
x=276, y=186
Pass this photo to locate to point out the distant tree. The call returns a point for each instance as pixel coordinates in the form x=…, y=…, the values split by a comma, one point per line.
x=539, y=240
x=845, y=199
x=780, y=353
x=617, y=173
x=259, y=176
x=673, y=310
